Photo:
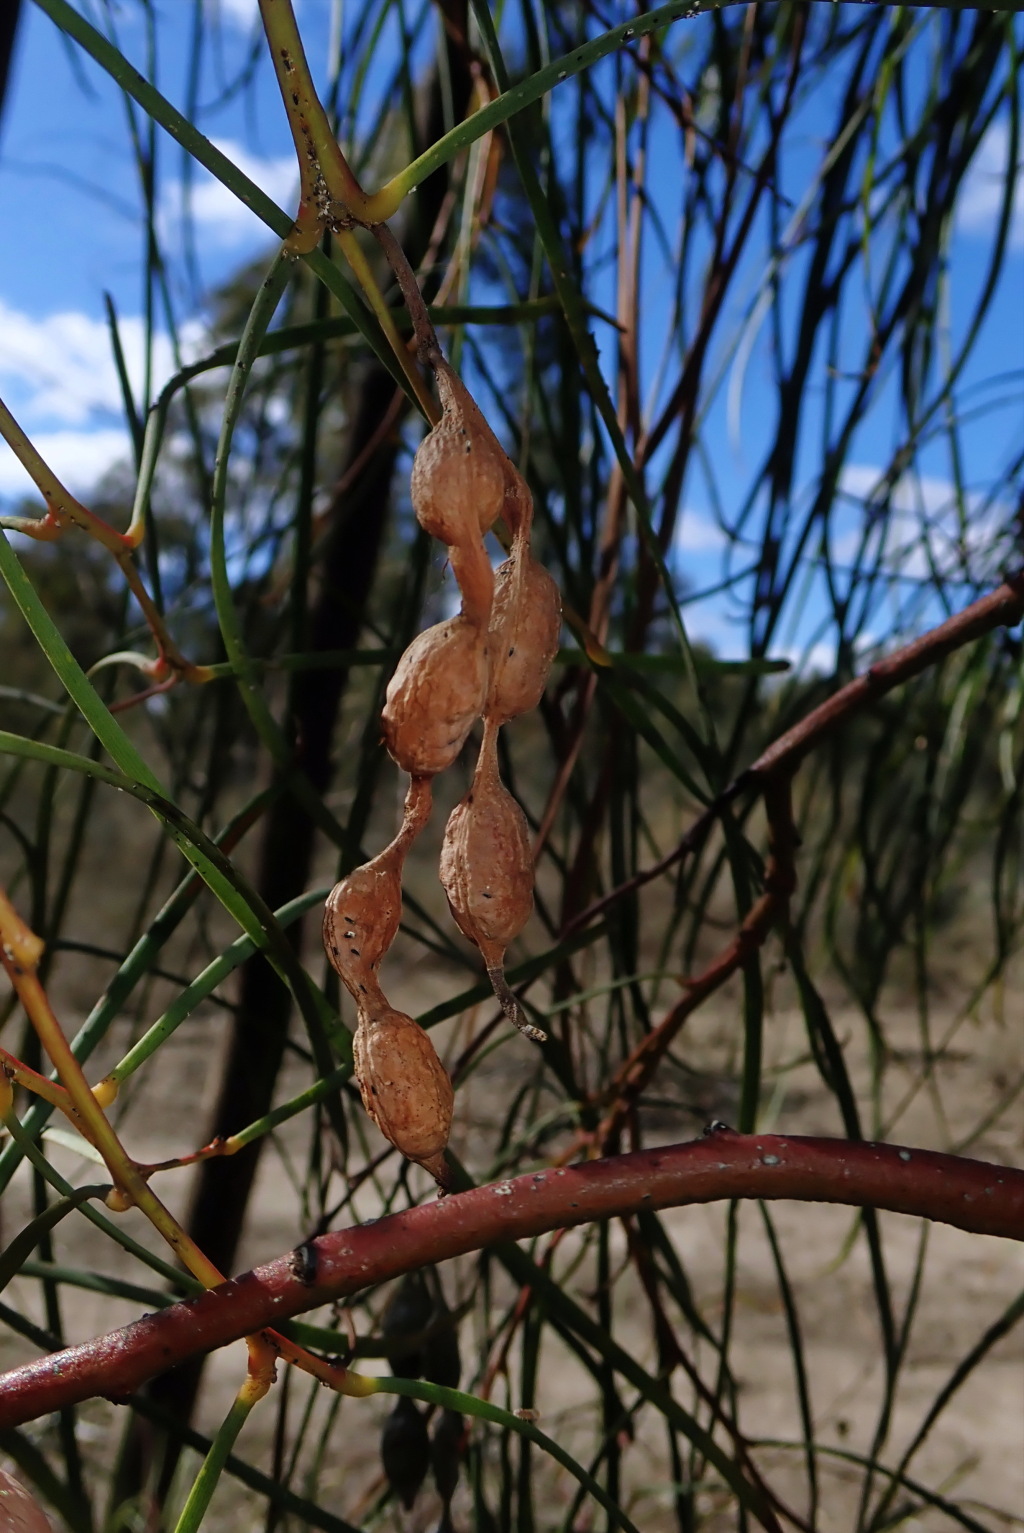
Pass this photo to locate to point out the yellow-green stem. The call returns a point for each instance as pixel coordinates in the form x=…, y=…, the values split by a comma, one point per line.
x=367, y=281
x=62, y=508
x=20, y=951
x=61, y=504
x=253, y=1389
x=169, y=653
x=330, y=197
x=122, y=1168
x=24, y=1076
x=329, y=192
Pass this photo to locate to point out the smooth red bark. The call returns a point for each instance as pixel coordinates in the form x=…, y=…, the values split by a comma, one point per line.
x=972, y=1195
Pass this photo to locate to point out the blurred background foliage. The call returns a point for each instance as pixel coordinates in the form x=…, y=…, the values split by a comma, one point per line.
x=778, y=416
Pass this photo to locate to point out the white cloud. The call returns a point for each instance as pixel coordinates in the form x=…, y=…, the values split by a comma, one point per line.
x=242, y=12
x=925, y=529
x=58, y=376
x=59, y=368
x=78, y=458
x=925, y=493
x=816, y=658
x=699, y=534
x=984, y=188
x=217, y=211
x=707, y=623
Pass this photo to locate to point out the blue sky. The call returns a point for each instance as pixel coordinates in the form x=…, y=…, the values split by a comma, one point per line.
x=73, y=230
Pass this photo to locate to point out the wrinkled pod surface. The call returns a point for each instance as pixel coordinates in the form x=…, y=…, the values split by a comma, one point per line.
x=487, y=872
x=363, y=910
x=405, y=1088
x=436, y=695
x=460, y=471
x=526, y=619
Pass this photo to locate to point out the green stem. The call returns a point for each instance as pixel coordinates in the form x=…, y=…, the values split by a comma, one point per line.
x=484, y=1410
x=109, y=58
x=330, y=192
x=260, y=315
x=368, y=282
x=205, y=1484
x=111, y=736
x=384, y=203
x=215, y=973
x=62, y=506
x=181, y=1282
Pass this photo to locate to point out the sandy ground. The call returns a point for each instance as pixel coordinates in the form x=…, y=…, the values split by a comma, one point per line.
x=976, y=1450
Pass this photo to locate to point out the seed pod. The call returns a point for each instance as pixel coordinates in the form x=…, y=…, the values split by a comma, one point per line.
x=442, y=1363
x=445, y=1452
x=362, y=912
x=20, y=1512
x=405, y=1450
x=518, y=508
x=460, y=469
x=405, y=1087
x=408, y=1313
x=435, y=696
x=472, y=569
x=525, y=621
x=487, y=872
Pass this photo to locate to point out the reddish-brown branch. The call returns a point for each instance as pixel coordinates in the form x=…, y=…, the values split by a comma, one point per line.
x=1002, y=608
x=635, y=1072
x=983, y=1199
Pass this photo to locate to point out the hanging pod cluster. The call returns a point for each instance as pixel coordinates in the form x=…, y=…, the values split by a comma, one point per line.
x=491, y=662
x=422, y=1341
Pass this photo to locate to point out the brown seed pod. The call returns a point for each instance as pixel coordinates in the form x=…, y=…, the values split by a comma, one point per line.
x=362, y=912
x=518, y=508
x=460, y=470
x=20, y=1512
x=405, y=1087
x=472, y=569
x=525, y=622
x=487, y=872
x=435, y=696
x=405, y=1451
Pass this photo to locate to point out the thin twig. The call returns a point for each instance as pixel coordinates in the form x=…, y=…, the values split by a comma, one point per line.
x=1001, y=608
x=427, y=344
x=779, y=883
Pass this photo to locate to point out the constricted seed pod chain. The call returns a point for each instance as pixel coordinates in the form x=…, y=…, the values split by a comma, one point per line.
x=487, y=872
x=491, y=660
